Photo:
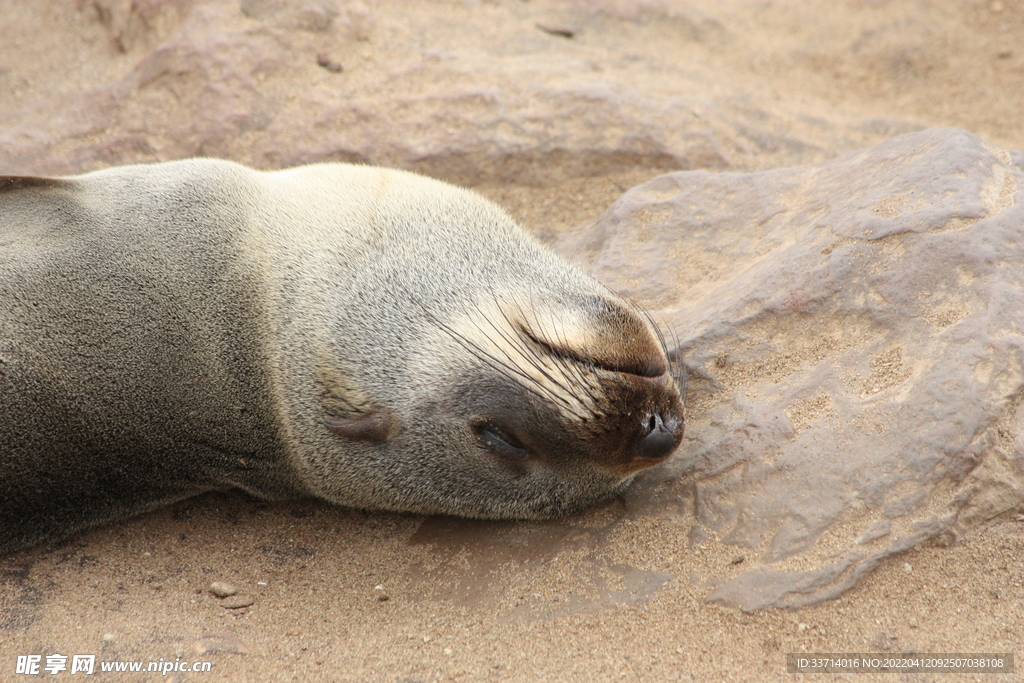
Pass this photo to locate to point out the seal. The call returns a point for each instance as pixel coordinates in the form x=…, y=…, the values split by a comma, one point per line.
x=365, y=336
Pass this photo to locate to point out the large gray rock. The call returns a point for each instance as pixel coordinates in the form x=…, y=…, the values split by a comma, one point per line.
x=854, y=335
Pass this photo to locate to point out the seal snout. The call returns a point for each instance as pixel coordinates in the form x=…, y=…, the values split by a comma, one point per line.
x=660, y=441
x=616, y=390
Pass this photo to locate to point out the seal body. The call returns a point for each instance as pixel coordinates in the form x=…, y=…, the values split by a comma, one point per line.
x=366, y=336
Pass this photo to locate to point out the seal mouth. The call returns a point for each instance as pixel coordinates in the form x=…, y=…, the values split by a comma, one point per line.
x=646, y=365
x=596, y=332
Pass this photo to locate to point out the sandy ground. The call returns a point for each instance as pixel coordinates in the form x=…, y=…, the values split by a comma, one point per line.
x=600, y=597
x=342, y=595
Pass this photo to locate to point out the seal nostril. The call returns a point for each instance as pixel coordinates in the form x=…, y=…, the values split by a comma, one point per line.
x=659, y=441
x=655, y=424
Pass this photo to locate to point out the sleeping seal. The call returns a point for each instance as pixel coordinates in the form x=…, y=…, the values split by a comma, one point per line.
x=365, y=336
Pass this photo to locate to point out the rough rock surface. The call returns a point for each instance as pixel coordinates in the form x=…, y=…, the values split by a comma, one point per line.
x=248, y=81
x=855, y=335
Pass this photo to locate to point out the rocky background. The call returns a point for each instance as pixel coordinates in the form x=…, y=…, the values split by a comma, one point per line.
x=821, y=204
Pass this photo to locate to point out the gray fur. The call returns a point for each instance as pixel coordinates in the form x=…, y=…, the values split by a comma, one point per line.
x=177, y=328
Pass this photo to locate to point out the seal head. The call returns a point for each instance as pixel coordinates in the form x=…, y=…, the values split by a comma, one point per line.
x=547, y=406
x=470, y=371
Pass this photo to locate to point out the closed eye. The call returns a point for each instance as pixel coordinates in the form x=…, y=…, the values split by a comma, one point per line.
x=500, y=441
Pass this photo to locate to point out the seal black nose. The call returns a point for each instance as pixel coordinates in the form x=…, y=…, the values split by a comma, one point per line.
x=660, y=441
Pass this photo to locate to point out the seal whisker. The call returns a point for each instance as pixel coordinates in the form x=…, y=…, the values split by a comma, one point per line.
x=529, y=352
x=532, y=353
x=676, y=368
x=532, y=356
x=496, y=363
x=637, y=308
x=674, y=365
x=580, y=370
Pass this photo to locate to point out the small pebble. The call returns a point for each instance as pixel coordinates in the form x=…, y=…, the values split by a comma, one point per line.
x=555, y=30
x=108, y=637
x=448, y=651
x=907, y=568
x=238, y=601
x=913, y=623
x=219, y=643
x=222, y=589
x=329, y=64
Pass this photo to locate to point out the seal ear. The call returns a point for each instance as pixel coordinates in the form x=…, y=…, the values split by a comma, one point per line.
x=340, y=395
x=374, y=426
